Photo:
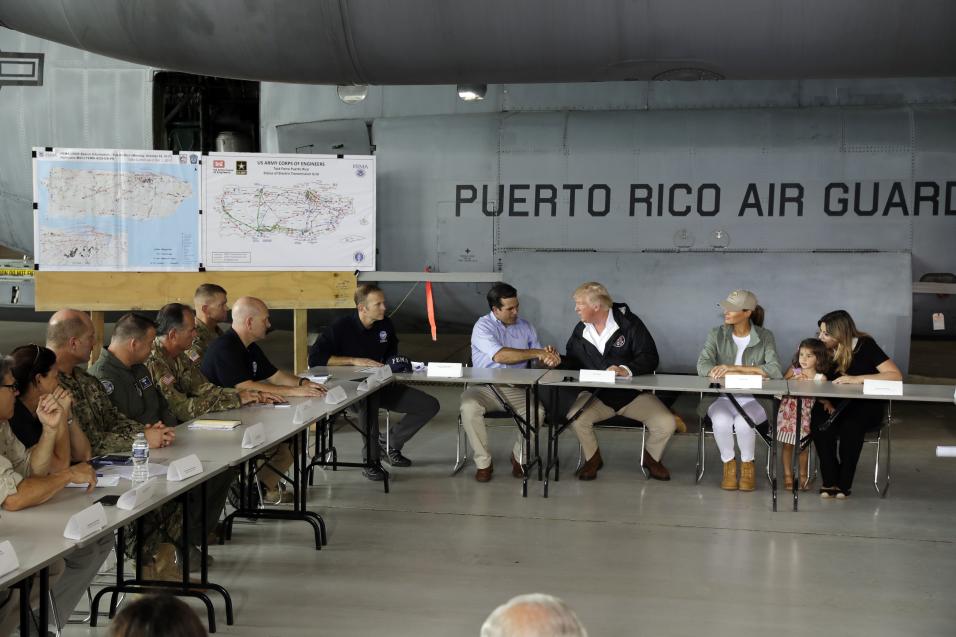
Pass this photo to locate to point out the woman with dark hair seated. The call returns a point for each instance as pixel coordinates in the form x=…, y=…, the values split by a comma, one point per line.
x=157, y=616
x=34, y=370
x=856, y=357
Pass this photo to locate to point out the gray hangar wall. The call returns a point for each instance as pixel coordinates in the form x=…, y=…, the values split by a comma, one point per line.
x=812, y=208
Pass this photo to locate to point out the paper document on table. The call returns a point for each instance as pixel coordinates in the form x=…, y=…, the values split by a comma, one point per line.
x=101, y=481
x=127, y=472
x=318, y=379
x=213, y=424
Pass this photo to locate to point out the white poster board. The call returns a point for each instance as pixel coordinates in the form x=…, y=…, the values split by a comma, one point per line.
x=116, y=210
x=288, y=212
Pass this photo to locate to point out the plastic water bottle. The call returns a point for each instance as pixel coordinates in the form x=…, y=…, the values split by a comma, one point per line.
x=140, y=458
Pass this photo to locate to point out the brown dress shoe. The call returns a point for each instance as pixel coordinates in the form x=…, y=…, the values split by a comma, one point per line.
x=484, y=475
x=657, y=470
x=516, y=470
x=589, y=469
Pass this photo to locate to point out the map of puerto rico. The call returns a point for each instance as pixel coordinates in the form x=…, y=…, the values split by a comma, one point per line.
x=304, y=212
x=102, y=209
x=288, y=212
x=83, y=245
x=75, y=192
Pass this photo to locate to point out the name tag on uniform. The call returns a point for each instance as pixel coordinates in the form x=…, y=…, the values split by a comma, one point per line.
x=882, y=387
x=743, y=381
x=85, y=523
x=8, y=558
x=596, y=376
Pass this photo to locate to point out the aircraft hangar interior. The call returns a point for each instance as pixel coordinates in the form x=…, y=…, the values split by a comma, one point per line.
x=260, y=273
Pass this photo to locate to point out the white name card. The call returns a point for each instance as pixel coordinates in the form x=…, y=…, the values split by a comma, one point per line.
x=335, y=395
x=8, y=558
x=743, y=381
x=381, y=374
x=86, y=522
x=941, y=452
x=444, y=370
x=184, y=468
x=138, y=495
x=254, y=436
x=882, y=387
x=596, y=376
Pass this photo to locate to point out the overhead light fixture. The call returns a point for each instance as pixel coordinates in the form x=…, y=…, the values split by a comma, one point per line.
x=352, y=93
x=472, y=92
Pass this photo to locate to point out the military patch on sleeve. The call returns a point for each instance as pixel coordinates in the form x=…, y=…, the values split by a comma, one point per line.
x=146, y=382
x=168, y=379
x=193, y=355
x=107, y=386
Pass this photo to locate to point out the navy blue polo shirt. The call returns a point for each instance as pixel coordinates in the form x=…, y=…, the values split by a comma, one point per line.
x=228, y=362
x=348, y=337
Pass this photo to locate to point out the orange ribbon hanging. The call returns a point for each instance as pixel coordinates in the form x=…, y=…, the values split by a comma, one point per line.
x=430, y=306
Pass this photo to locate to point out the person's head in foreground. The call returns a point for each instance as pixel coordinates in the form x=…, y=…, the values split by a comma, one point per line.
x=534, y=615
x=157, y=616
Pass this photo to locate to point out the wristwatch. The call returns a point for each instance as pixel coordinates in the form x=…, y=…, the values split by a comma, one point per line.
x=302, y=381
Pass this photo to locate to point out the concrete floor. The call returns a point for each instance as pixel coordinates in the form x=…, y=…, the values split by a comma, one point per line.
x=632, y=557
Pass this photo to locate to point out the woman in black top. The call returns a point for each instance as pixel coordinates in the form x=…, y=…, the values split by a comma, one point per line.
x=34, y=370
x=856, y=357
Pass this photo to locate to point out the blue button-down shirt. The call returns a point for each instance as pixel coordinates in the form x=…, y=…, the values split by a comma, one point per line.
x=490, y=335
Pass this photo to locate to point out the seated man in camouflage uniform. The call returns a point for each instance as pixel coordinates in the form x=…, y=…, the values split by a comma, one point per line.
x=29, y=477
x=212, y=308
x=70, y=336
x=136, y=393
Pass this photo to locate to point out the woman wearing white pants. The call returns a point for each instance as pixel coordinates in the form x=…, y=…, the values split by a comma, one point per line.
x=740, y=346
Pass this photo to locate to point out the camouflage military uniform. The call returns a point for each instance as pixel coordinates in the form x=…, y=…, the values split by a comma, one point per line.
x=188, y=393
x=109, y=431
x=14, y=462
x=132, y=390
x=204, y=336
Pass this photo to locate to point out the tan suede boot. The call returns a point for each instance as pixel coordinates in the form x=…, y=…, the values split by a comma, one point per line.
x=164, y=566
x=730, y=476
x=747, y=476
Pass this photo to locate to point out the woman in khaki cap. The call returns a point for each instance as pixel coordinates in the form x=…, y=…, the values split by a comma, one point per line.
x=740, y=346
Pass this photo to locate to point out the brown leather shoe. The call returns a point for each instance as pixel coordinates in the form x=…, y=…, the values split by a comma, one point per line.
x=589, y=469
x=516, y=470
x=657, y=470
x=484, y=475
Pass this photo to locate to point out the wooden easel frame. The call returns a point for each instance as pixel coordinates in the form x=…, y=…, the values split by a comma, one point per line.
x=99, y=292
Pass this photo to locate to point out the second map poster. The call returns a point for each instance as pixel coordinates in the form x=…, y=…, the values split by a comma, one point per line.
x=288, y=212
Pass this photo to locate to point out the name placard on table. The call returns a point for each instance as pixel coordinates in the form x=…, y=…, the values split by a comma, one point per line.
x=743, y=381
x=444, y=370
x=882, y=387
x=184, y=468
x=138, y=495
x=8, y=558
x=596, y=376
x=85, y=523
x=335, y=395
x=254, y=436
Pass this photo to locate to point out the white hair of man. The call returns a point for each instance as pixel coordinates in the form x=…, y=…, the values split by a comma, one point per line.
x=533, y=615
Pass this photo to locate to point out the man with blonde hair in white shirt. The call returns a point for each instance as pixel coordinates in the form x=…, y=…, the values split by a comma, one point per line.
x=611, y=337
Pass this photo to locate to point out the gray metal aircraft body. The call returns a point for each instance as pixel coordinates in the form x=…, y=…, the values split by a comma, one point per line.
x=812, y=158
